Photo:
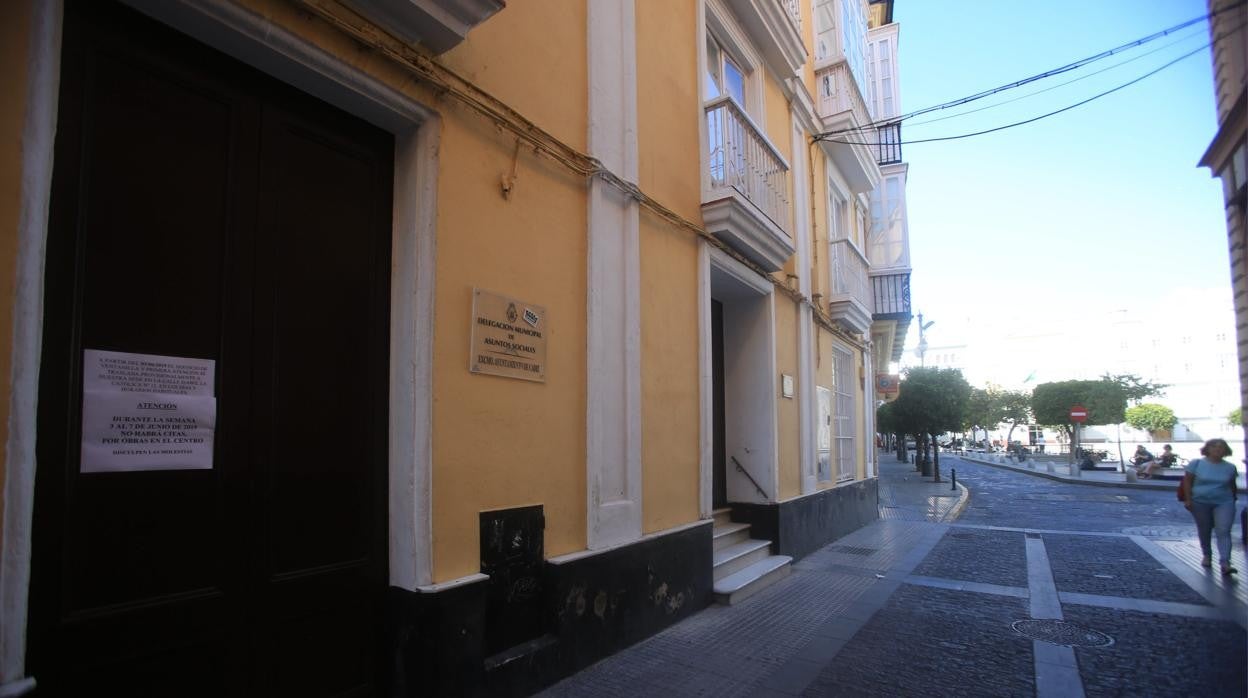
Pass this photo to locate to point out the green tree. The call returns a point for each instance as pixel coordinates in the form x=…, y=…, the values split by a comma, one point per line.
x=1015, y=409
x=886, y=422
x=932, y=401
x=983, y=409
x=1151, y=417
x=1105, y=400
x=1134, y=388
x=1235, y=417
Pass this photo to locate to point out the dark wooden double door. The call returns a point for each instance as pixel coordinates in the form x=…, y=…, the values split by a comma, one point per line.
x=201, y=209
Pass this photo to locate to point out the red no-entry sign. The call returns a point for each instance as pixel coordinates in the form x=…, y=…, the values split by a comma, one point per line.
x=1078, y=413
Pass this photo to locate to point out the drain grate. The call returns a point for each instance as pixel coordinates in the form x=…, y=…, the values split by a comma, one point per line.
x=1059, y=632
x=853, y=550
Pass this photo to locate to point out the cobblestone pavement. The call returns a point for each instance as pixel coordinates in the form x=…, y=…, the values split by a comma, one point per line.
x=1005, y=498
x=1040, y=588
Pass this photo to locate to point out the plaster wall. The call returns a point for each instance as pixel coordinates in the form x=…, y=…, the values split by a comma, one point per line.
x=669, y=170
x=788, y=473
x=669, y=365
x=669, y=106
x=824, y=375
x=531, y=55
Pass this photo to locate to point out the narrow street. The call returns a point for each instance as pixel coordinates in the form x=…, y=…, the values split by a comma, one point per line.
x=1004, y=498
x=1036, y=588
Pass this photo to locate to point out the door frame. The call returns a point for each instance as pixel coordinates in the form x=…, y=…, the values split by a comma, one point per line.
x=256, y=41
x=718, y=272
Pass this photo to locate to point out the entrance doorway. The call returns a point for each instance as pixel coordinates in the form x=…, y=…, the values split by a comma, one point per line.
x=202, y=210
x=743, y=388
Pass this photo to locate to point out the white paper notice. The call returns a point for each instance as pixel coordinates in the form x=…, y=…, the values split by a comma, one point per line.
x=146, y=412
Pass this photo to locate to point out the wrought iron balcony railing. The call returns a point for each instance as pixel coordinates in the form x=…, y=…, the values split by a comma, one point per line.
x=741, y=159
x=892, y=295
x=888, y=143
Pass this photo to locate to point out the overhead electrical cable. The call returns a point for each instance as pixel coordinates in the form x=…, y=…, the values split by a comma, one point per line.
x=1041, y=76
x=1054, y=87
x=1034, y=118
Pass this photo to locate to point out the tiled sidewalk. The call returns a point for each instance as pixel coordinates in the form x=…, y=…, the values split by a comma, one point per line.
x=900, y=608
x=915, y=605
x=908, y=496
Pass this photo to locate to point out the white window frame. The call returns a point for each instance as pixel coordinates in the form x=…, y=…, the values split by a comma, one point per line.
x=845, y=436
x=832, y=31
x=823, y=445
x=838, y=213
x=732, y=40
x=717, y=75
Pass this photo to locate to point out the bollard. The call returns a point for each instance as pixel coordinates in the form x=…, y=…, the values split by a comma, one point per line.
x=953, y=478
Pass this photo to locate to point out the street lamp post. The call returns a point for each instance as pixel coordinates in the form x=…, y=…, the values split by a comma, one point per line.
x=922, y=338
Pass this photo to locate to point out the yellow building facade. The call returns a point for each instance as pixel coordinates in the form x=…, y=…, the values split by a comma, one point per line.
x=1227, y=155
x=428, y=347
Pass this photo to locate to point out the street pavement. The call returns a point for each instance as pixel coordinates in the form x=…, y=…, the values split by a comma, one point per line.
x=1010, y=585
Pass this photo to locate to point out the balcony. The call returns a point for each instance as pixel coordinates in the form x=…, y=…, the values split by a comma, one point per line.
x=842, y=108
x=774, y=27
x=794, y=10
x=888, y=144
x=745, y=201
x=891, y=293
x=439, y=25
x=850, y=301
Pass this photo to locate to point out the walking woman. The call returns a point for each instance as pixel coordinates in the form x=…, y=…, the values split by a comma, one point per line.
x=1210, y=494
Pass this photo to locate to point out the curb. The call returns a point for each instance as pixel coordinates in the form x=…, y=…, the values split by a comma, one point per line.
x=1067, y=479
x=964, y=499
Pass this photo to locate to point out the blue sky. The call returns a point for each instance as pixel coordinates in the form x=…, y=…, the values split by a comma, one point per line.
x=1102, y=207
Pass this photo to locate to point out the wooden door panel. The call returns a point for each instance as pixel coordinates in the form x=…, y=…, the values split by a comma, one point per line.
x=203, y=210
x=138, y=239
x=319, y=194
x=321, y=358
x=155, y=215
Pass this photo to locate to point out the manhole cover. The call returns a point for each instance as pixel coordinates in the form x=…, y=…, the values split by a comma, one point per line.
x=853, y=550
x=1059, y=632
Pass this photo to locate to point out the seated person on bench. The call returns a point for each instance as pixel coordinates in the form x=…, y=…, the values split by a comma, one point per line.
x=1141, y=458
x=1167, y=459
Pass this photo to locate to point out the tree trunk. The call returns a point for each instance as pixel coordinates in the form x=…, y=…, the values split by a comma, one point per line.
x=1009, y=434
x=901, y=447
x=935, y=459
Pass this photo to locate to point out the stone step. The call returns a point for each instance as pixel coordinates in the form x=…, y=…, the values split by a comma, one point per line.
x=739, y=556
x=722, y=517
x=730, y=534
x=741, y=585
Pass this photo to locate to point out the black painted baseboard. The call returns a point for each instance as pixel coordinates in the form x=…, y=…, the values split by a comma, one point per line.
x=802, y=525
x=593, y=606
